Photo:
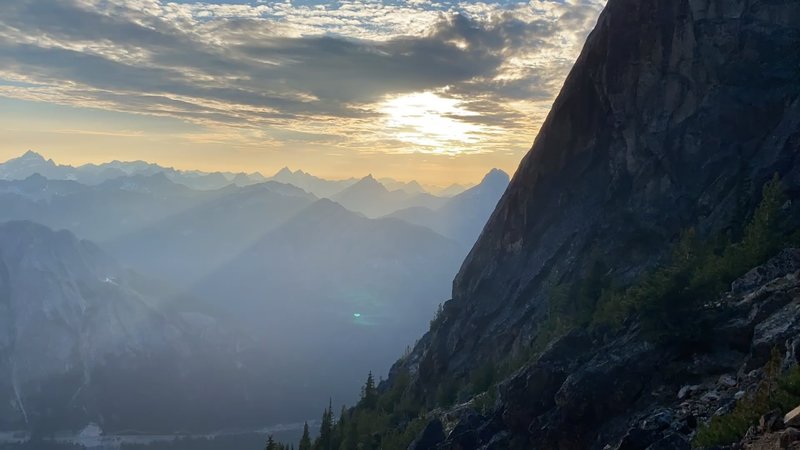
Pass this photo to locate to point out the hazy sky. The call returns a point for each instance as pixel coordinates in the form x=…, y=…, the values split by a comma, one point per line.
x=437, y=91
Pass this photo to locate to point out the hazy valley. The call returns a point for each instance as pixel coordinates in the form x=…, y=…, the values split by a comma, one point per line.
x=137, y=274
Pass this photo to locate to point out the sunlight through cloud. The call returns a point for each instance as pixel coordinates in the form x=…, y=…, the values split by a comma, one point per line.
x=431, y=123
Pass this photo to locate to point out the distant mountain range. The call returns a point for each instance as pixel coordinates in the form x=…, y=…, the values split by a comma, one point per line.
x=31, y=163
x=165, y=228
x=371, y=198
x=315, y=185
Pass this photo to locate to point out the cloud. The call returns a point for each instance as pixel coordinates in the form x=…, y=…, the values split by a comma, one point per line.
x=285, y=70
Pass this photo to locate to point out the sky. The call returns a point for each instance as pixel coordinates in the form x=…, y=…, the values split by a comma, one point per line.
x=438, y=91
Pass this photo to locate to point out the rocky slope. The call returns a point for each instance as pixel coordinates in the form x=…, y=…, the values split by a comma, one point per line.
x=635, y=393
x=674, y=116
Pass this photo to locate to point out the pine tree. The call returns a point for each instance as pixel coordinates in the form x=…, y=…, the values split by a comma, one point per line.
x=271, y=444
x=326, y=429
x=305, y=441
x=369, y=394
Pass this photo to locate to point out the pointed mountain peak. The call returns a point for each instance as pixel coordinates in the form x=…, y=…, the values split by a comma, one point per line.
x=496, y=176
x=368, y=182
x=32, y=155
x=366, y=188
x=285, y=171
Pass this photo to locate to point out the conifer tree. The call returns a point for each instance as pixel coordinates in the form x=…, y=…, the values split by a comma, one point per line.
x=369, y=394
x=305, y=441
x=326, y=429
x=271, y=444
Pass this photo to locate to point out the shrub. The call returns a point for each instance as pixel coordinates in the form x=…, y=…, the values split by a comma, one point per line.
x=776, y=391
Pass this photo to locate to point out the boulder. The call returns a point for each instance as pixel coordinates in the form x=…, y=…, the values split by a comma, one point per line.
x=789, y=437
x=687, y=390
x=771, y=421
x=727, y=381
x=788, y=261
x=792, y=418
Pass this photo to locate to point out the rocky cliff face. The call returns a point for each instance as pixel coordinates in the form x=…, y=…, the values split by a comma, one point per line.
x=673, y=117
x=635, y=393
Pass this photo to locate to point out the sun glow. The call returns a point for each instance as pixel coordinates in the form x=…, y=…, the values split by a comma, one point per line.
x=432, y=124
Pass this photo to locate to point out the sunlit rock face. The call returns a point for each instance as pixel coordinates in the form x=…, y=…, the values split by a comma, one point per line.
x=674, y=116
